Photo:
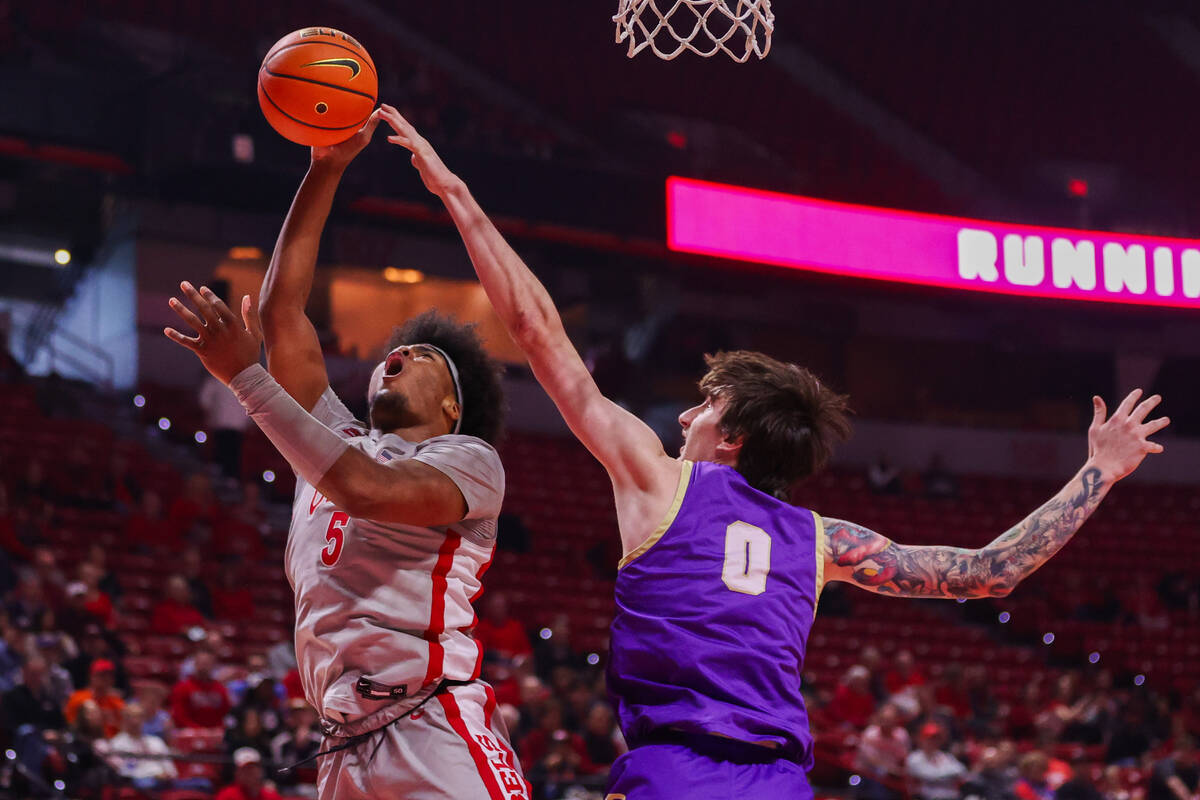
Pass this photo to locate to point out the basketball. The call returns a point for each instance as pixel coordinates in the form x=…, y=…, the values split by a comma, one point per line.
x=317, y=86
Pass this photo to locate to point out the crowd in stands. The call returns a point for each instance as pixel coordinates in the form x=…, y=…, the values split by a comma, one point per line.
x=223, y=719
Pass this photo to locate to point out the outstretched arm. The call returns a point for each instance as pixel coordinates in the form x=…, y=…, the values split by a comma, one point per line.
x=293, y=350
x=1115, y=448
x=628, y=449
x=405, y=491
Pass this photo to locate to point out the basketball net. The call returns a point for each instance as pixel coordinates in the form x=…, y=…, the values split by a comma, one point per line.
x=738, y=28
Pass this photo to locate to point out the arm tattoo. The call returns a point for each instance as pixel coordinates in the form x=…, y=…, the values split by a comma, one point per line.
x=879, y=564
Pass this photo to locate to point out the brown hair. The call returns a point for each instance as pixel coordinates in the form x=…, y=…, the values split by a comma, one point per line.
x=787, y=420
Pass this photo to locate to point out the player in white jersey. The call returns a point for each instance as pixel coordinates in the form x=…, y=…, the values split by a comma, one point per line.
x=393, y=524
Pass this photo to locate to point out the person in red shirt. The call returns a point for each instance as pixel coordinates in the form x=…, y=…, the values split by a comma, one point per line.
x=196, y=506
x=96, y=601
x=149, y=529
x=248, y=783
x=231, y=598
x=903, y=674
x=175, y=613
x=200, y=701
x=498, y=632
x=853, y=703
x=100, y=690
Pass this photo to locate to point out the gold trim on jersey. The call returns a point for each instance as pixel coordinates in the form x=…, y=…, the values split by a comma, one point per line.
x=685, y=475
x=820, y=548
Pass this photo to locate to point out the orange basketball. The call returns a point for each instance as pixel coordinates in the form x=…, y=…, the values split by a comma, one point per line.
x=317, y=86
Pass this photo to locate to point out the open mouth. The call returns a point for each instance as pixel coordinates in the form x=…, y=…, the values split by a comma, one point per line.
x=394, y=365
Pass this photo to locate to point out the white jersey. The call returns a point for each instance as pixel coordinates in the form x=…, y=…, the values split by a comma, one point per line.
x=383, y=611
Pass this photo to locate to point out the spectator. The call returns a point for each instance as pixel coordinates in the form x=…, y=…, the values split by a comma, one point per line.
x=905, y=674
x=249, y=731
x=96, y=601
x=498, y=632
x=151, y=695
x=602, y=741
x=193, y=573
x=934, y=773
x=140, y=758
x=227, y=422
x=93, y=645
x=557, y=771
x=231, y=597
x=97, y=556
x=994, y=775
x=31, y=714
x=148, y=528
x=882, y=751
x=74, y=616
x=248, y=783
x=938, y=480
x=195, y=512
x=175, y=613
x=1080, y=786
x=50, y=646
x=299, y=741
x=200, y=701
x=553, y=649
x=101, y=690
x=883, y=477
x=86, y=770
x=1032, y=784
x=240, y=535
x=853, y=704
x=1176, y=777
x=121, y=490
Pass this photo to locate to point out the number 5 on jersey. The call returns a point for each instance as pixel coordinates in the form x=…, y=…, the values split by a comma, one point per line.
x=747, y=558
x=335, y=537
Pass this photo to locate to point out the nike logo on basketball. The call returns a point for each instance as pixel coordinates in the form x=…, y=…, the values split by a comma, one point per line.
x=348, y=63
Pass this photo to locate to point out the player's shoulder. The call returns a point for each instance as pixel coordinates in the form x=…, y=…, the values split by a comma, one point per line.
x=458, y=442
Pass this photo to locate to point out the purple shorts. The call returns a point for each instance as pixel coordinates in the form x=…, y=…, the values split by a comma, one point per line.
x=679, y=772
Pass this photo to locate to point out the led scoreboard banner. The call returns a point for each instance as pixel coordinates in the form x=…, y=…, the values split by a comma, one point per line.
x=864, y=242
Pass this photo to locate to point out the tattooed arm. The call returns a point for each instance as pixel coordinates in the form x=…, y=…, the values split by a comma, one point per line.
x=1115, y=448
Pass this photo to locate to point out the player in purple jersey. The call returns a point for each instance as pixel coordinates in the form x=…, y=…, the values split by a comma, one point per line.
x=720, y=578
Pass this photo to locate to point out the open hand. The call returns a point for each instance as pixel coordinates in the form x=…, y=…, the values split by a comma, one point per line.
x=1118, y=444
x=341, y=154
x=436, y=175
x=225, y=345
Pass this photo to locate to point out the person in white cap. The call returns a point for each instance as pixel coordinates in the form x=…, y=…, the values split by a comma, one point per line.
x=249, y=780
x=393, y=523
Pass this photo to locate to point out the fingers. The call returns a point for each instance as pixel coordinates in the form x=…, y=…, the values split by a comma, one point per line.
x=1099, y=412
x=202, y=305
x=1145, y=407
x=222, y=310
x=1155, y=425
x=251, y=319
x=372, y=123
x=190, y=342
x=186, y=314
x=1127, y=404
x=1153, y=447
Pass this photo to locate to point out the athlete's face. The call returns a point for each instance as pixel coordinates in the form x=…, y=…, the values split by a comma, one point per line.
x=415, y=388
x=703, y=439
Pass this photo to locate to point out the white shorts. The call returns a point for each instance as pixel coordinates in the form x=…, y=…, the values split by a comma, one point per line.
x=454, y=747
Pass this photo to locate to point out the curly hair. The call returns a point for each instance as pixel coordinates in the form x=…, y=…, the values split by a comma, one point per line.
x=788, y=421
x=478, y=373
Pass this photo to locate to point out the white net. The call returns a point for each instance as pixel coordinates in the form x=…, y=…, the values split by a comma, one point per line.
x=738, y=28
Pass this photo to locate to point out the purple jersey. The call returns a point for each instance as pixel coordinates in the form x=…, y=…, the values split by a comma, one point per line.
x=713, y=615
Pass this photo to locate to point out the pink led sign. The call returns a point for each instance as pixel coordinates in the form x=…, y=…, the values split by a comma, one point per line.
x=860, y=241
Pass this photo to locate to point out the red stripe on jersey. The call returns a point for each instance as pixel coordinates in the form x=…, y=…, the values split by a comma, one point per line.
x=437, y=609
x=482, y=765
x=475, y=618
x=489, y=708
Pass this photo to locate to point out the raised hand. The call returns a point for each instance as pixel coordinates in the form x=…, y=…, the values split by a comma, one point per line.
x=341, y=154
x=225, y=345
x=1118, y=444
x=434, y=173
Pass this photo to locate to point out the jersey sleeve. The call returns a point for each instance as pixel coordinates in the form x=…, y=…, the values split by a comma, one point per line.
x=473, y=465
x=333, y=414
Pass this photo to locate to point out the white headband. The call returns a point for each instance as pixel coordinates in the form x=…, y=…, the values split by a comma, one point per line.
x=377, y=380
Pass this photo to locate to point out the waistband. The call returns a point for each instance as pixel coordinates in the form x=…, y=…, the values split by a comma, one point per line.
x=720, y=748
